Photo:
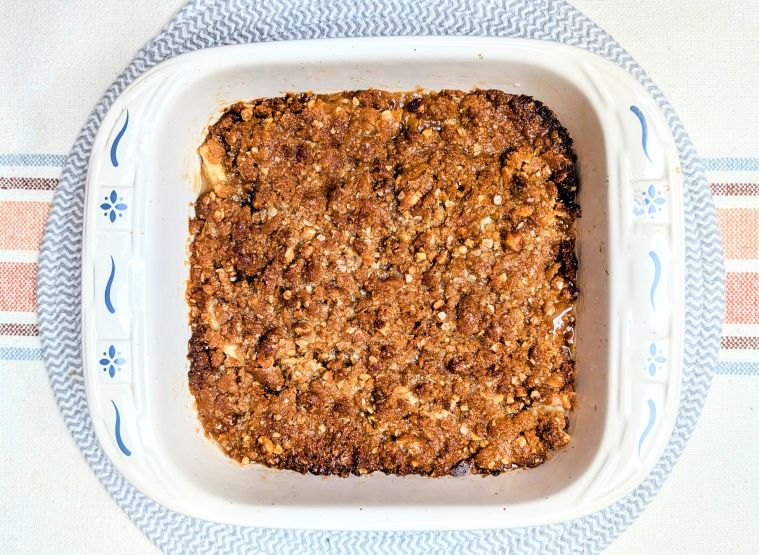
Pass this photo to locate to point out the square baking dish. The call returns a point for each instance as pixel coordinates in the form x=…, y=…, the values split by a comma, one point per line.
x=144, y=176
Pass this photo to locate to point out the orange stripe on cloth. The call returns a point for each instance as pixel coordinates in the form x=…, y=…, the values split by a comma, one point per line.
x=17, y=286
x=739, y=228
x=22, y=223
x=742, y=298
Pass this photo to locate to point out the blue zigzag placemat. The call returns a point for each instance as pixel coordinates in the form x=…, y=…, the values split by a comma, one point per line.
x=207, y=23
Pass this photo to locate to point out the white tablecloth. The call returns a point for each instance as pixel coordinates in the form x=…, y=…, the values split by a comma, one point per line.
x=57, y=58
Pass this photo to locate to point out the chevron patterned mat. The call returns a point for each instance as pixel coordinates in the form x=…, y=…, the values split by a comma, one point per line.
x=206, y=23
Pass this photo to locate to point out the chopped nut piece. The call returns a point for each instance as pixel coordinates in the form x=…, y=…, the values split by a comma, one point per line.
x=212, y=318
x=266, y=443
x=515, y=241
x=232, y=351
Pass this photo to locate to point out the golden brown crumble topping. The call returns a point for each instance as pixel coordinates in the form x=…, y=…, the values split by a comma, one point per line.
x=384, y=282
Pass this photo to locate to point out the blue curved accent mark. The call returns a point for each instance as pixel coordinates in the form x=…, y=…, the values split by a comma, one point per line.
x=651, y=420
x=119, y=441
x=108, y=303
x=116, y=141
x=657, y=276
x=644, y=128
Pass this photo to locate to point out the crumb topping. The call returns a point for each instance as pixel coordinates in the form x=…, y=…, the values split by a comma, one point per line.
x=384, y=282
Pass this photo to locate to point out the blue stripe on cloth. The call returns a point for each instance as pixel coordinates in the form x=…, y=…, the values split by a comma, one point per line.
x=738, y=368
x=731, y=164
x=53, y=160
x=20, y=353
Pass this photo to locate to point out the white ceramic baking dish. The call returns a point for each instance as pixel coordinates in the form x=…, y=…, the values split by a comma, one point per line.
x=144, y=177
